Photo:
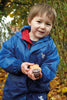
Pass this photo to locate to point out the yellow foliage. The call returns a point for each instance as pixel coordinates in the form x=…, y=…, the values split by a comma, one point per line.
x=6, y=75
x=11, y=0
x=53, y=98
x=61, y=37
x=58, y=91
x=3, y=86
x=11, y=15
x=49, y=95
x=64, y=90
x=8, y=4
x=0, y=0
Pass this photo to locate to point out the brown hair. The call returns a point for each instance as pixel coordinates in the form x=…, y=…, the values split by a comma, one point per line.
x=40, y=9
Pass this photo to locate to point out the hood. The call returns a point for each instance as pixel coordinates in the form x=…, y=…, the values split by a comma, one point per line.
x=19, y=34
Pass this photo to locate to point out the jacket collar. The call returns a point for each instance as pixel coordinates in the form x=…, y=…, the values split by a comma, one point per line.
x=25, y=36
x=19, y=34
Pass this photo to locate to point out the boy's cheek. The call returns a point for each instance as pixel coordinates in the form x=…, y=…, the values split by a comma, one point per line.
x=47, y=33
x=49, y=29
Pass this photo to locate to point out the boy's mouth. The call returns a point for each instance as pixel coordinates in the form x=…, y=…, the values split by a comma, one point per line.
x=41, y=32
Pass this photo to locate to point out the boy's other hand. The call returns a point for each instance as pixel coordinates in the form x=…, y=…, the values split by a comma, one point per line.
x=24, y=67
x=31, y=75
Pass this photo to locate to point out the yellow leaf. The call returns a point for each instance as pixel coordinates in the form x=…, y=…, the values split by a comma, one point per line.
x=61, y=37
x=64, y=90
x=0, y=1
x=58, y=91
x=53, y=98
x=0, y=97
x=11, y=0
x=6, y=75
x=11, y=15
x=3, y=86
x=49, y=95
x=8, y=4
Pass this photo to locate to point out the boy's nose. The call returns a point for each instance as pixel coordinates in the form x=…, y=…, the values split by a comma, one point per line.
x=43, y=26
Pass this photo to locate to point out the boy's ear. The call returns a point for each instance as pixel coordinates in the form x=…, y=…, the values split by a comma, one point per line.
x=29, y=23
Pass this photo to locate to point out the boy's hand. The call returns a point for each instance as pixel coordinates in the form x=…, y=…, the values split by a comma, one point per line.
x=35, y=72
x=32, y=76
x=24, y=67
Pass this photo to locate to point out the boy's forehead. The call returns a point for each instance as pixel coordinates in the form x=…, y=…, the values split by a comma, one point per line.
x=45, y=15
x=41, y=16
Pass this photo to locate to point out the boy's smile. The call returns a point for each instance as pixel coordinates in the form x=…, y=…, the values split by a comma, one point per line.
x=40, y=27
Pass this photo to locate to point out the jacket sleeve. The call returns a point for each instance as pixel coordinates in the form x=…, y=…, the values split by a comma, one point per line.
x=8, y=61
x=49, y=66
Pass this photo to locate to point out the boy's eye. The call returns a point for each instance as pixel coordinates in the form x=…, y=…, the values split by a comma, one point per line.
x=48, y=24
x=39, y=21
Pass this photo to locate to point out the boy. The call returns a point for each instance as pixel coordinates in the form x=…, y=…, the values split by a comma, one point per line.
x=31, y=45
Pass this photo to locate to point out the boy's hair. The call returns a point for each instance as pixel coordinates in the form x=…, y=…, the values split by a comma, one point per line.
x=40, y=9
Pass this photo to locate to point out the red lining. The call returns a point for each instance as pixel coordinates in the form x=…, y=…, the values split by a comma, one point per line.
x=25, y=36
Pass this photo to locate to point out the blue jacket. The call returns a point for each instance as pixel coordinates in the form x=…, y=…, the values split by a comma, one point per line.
x=15, y=51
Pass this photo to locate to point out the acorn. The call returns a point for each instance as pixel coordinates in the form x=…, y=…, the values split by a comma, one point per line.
x=36, y=70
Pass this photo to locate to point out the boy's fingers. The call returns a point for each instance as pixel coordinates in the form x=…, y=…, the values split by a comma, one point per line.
x=29, y=63
x=31, y=75
x=40, y=75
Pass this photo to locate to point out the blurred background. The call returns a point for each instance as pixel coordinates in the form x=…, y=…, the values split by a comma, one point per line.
x=13, y=16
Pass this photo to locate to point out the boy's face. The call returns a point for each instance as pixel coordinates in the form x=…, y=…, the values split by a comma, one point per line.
x=40, y=27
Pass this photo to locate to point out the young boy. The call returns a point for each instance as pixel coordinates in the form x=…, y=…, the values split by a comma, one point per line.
x=31, y=45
